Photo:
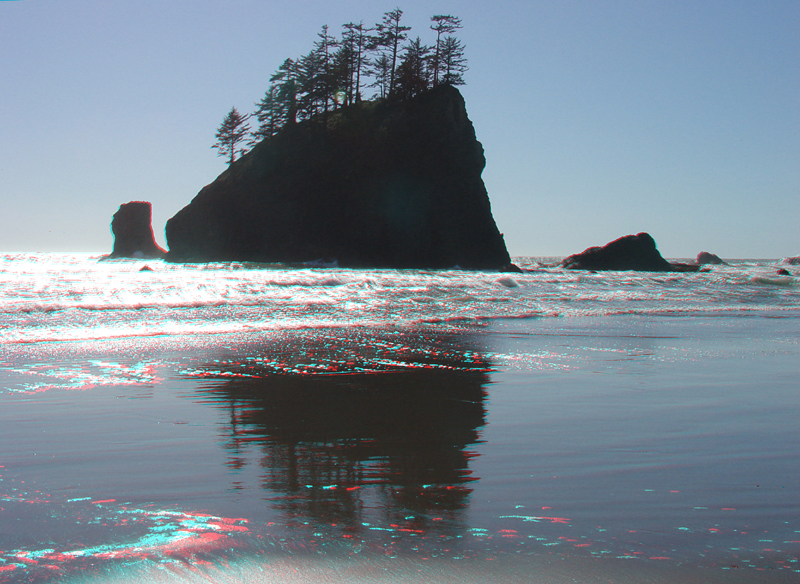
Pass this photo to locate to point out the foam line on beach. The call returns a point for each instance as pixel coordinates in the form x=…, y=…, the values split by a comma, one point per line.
x=372, y=569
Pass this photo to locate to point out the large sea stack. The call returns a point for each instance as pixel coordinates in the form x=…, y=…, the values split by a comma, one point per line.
x=375, y=185
x=133, y=232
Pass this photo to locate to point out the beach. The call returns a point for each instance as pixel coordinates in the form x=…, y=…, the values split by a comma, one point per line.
x=652, y=445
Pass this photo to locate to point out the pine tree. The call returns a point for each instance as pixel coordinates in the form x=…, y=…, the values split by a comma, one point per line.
x=234, y=129
x=309, y=81
x=325, y=87
x=343, y=74
x=358, y=40
x=390, y=35
x=381, y=71
x=444, y=24
x=268, y=113
x=286, y=79
x=412, y=74
x=453, y=62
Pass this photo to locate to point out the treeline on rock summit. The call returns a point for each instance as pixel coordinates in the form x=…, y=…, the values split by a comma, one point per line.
x=362, y=64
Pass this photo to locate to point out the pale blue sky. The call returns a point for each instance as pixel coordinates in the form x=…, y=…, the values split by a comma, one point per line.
x=598, y=119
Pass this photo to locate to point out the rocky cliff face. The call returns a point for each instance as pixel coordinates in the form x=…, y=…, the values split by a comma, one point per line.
x=383, y=186
x=133, y=232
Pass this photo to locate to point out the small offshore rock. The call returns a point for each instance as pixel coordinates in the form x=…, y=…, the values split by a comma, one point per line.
x=133, y=232
x=705, y=257
x=783, y=272
x=631, y=252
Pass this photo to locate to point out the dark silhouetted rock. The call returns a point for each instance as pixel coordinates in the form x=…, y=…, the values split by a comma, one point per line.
x=679, y=267
x=133, y=232
x=783, y=272
x=385, y=185
x=791, y=261
x=705, y=257
x=511, y=268
x=632, y=252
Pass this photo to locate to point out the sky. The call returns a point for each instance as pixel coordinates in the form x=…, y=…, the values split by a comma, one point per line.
x=598, y=118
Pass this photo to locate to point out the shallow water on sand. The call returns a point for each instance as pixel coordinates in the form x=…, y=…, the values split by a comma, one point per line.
x=626, y=448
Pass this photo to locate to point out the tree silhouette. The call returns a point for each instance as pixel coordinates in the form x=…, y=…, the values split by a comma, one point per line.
x=286, y=78
x=412, y=74
x=381, y=70
x=311, y=75
x=453, y=62
x=357, y=38
x=325, y=85
x=268, y=113
x=343, y=74
x=334, y=73
x=390, y=35
x=444, y=24
x=232, y=131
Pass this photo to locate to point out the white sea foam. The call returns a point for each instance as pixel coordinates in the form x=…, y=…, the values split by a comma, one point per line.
x=60, y=297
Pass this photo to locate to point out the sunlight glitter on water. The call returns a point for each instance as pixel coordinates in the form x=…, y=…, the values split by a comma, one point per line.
x=51, y=297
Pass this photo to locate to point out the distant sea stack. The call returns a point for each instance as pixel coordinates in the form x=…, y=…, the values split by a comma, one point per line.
x=705, y=257
x=394, y=185
x=631, y=252
x=133, y=232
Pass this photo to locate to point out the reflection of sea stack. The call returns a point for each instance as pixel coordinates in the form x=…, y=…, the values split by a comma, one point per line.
x=393, y=425
x=380, y=184
x=409, y=431
x=133, y=232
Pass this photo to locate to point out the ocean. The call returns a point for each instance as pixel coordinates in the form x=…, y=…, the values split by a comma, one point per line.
x=237, y=422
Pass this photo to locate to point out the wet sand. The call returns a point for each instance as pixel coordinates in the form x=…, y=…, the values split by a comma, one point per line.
x=622, y=449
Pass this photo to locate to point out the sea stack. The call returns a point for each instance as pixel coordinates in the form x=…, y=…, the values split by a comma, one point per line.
x=133, y=232
x=631, y=252
x=705, y=257
x=376, y=184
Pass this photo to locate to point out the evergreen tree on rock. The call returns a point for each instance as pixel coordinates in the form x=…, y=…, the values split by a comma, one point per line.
x=453, y=62
x=233, y=130
x=412, y=75
x=390, y=35
x=444, y=24
x=269, y=115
